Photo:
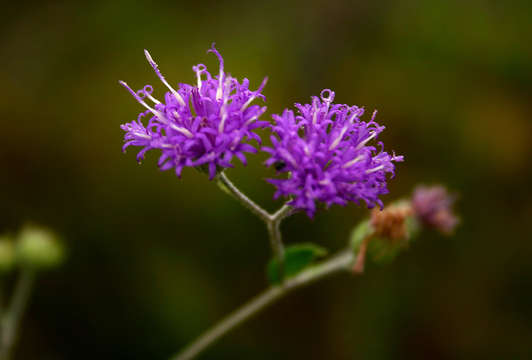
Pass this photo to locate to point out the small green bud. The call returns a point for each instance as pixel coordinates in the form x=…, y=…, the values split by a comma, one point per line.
x=39, y=248
x=385, y=234
x=392, y=233
x=7, y=254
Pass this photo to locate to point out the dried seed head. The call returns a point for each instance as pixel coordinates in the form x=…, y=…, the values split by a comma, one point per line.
x=391, y=222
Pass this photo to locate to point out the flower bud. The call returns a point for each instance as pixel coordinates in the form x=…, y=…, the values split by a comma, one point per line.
x=39, y=248
x=433, y=207
x=391, y=222
x=392, y=228
x=7, y=254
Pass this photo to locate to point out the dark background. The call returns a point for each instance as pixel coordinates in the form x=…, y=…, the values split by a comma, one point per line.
x=155, y=260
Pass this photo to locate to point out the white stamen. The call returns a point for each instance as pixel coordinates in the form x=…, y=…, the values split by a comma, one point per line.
x=162, y=118
x=219, y=90
x=314, y=114
x=199, y=80
x=248, y=103
x=141, y=135
x=223, y=109
x=157, y=113
x=359, y=146
x=163, y=80
x=253, y=118
x=181, y=130
x=375, y=169
x=235, y=142
x=352, y=162
x=155, y=101
x=198, y=75
x=355, y=114
x=222, y=121
x=338, y=139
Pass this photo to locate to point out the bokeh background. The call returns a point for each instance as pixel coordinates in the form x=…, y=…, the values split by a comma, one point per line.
x=154, y=260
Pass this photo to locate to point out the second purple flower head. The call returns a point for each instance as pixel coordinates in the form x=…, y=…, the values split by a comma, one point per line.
x=325, y=152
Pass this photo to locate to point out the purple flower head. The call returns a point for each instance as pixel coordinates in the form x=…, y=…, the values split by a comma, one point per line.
x=325, y=151
x=433, y=206
x=203, y=125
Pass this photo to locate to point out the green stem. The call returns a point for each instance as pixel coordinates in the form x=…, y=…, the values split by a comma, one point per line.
x=11, y=319
x=273, y=221
x=1, y=297
x=340, y=262
x=227, y=185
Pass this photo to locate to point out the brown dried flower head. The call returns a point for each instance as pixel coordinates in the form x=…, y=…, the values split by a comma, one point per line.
x=390, y=223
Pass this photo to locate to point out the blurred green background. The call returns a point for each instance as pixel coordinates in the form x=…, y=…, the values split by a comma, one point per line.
x=155, y=260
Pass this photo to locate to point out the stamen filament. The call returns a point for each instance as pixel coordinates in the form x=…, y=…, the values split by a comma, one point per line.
x=181, y=130
x=338, y=139
x=223, y=109
x=314, y=113
x=163, y=80
x=222, y=121
x=362, y=143
x=375, y=169
x=142, y=102
x=352, y=162
x=253, y=118
x=152, y=98
x=141, y=135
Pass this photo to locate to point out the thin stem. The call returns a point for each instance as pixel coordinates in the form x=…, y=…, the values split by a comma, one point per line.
x=276, y=243
x=11, y=320
x=340, y=262
x=282, y=213
x=230, y=322
x=273, y=222
x=276, y=240
x=1, y=297
x=226, y=184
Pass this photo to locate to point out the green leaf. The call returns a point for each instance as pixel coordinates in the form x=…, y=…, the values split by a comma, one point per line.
x=296, y=259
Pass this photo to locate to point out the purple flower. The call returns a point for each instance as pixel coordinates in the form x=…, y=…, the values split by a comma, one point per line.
x=433, y=206
x=325, y=152
x=204, y=126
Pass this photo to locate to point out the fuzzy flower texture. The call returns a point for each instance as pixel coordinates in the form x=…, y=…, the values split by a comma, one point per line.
x=433, y=206
x=202, y=126
x=326, y=154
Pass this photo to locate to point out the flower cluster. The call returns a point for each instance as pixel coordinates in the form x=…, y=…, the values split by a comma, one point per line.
x=433, y=206
x=325, y=152
x=324, y=149
x=204, y=126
